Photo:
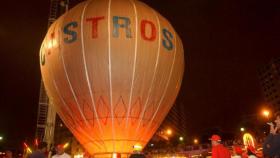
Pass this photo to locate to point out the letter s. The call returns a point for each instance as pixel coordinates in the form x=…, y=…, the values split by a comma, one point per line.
x=72, y=33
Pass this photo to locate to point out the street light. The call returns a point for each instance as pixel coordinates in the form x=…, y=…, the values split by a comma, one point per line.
x=195, y=141
x=242, y=129
x=266, y=113
x=169, y=132
x=1, y=138
x=181, y=138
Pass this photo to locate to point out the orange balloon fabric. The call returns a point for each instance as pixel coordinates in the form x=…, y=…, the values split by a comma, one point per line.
x=113, y=69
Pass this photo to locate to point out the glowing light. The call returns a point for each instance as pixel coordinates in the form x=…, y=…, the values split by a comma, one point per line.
x=137, y=147
x=169, y=132
x=29, y=150
x=181, y=138
x=248, y=140
x=195, y=141
x=78, y=156
x=242, y=129
x=1, y=138
x=52, y=44
x=27, y=147
x=116, y=155
x=65, y=145
x=266, y=113
x=36, y=142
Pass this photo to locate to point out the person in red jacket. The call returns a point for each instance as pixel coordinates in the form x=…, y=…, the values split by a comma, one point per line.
x=218, y=149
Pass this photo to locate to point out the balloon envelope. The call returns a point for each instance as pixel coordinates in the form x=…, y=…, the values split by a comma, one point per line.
x=113, y=70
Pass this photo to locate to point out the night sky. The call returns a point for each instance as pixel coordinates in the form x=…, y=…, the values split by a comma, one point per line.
x=225, y=42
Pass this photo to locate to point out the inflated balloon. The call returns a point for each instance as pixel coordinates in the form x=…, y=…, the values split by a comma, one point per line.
x=113, y=69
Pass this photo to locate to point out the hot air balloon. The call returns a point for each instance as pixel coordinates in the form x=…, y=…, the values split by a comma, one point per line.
x=113, y=69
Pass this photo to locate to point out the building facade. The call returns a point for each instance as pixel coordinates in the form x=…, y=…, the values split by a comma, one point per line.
x=270, y=82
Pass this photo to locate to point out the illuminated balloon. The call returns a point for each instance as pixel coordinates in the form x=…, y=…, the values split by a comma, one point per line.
x=113, y=69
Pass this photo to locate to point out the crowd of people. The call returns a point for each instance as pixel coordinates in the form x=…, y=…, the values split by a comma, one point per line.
x=270, y=147
x=220, y=151
x=42, y=152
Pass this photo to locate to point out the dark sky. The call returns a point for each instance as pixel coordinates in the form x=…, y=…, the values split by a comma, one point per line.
x=225, y=42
